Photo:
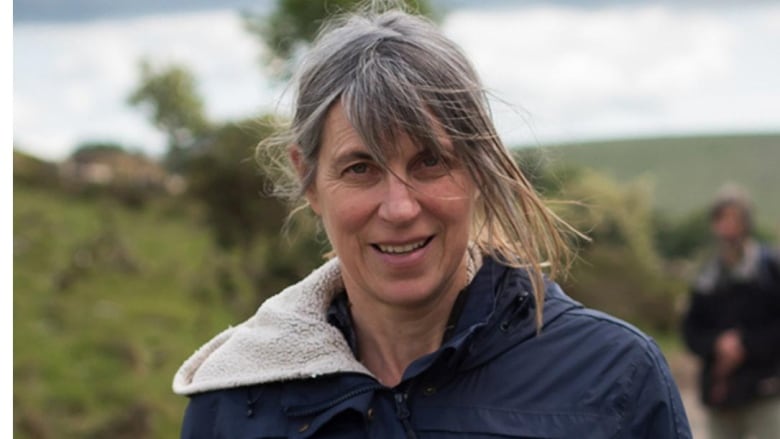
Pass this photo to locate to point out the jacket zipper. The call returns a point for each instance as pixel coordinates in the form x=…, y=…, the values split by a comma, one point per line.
x=402, y=411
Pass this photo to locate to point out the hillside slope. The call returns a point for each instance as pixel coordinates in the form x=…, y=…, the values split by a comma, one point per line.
x=688, y=171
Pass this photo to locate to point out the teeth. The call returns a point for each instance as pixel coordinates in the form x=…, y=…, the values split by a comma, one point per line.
x=400, y=248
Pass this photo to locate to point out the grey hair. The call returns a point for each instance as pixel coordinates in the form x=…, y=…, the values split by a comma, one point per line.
x=396, y=74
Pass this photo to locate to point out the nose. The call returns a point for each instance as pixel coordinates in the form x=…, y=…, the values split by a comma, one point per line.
x=399, y=202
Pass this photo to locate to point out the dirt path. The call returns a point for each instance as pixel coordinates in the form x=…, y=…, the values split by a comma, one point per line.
x=684, y=367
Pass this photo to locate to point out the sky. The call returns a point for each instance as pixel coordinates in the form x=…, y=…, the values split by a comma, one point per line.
x=559, y=71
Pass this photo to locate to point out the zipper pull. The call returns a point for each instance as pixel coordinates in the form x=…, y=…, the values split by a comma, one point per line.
x=402, y=410
x=400, y=405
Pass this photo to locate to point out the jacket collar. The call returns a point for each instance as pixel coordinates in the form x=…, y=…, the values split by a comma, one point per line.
x=499, y=314
x=291, y=338
x=288, y=338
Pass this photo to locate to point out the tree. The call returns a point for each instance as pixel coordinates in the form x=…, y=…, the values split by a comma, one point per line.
x=293, y=24
x=176, y=108
x=680, y=238
x=98, y=147
x=224, y=177
x=620, y=271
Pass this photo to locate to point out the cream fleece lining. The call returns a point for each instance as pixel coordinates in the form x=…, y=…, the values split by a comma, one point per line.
x=746, y=269
x=288, y=338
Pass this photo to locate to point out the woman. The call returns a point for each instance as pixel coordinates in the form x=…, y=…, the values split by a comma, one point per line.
x=434, y=319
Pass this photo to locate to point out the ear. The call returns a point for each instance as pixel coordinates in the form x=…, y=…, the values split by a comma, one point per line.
x=301, y=168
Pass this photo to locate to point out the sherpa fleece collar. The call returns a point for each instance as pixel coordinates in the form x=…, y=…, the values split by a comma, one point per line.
x=288, y=338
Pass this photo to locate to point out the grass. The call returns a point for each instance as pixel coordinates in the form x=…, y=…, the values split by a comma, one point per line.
x=108, y=301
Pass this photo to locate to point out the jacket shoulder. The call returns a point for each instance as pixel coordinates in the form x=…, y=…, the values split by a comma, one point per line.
x=650, y=398
x=237, y=412
x=604, y=331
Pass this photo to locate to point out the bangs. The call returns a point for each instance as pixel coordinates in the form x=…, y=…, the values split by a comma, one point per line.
x=390, y=96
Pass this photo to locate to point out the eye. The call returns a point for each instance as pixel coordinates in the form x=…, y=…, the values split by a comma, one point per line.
x=428, y=166
x=357, y=168
x=430, y=161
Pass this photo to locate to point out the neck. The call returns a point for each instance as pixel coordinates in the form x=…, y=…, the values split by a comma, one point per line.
x=391, y=339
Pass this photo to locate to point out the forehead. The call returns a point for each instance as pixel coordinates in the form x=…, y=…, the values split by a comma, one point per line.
x=339, y=137
x=338, y=132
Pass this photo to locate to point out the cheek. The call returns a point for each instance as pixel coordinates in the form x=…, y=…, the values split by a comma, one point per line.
x=343, y=214
x=455, y=206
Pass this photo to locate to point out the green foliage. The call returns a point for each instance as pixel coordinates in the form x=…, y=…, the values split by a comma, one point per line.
x=620, y=270
x=225, y=179
x=294, y=24
x=682, y=238
x=217, y=161
x=33, y=171
x=109, y=301
x=610, y=278
x=615, y=214
x=97, y=147
x=175, y=106
x=223, y=175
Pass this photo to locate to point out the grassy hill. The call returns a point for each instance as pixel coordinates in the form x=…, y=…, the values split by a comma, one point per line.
x=111, y=296
x=687, y=171
x=108, y=301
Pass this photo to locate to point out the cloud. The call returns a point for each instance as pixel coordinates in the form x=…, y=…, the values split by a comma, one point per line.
x=622, y=71
x=565, y=73
x=72, y=80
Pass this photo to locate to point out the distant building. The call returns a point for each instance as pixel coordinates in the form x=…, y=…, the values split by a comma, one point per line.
x=115, y=167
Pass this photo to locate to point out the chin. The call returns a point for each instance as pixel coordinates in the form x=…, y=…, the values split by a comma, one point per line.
x=411, y=294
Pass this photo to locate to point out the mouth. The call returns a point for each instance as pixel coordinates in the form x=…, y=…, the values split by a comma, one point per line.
x=401, y=249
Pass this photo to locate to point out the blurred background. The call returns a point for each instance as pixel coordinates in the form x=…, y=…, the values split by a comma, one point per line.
x=142, y=225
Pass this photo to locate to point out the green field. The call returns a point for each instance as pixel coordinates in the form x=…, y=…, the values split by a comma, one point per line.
x=687, y=172
x=108, y=301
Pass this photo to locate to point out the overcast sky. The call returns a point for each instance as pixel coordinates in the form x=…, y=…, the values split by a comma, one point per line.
x=561, y=72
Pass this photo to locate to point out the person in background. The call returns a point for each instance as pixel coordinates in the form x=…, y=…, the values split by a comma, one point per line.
x=733, y=325
x=436, y=317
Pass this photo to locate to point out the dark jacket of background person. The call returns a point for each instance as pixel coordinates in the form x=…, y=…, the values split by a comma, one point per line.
x=748, y=299
x=586, y=375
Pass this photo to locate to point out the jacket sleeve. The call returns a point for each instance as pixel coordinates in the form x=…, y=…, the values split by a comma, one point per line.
x=656, y=409
x=762, y=343
x=698, y=328
x=199, y=418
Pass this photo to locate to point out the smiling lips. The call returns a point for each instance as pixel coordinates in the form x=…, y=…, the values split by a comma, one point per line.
x=402, y=249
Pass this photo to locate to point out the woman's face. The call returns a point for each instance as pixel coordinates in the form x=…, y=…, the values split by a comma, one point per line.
x=402, y=234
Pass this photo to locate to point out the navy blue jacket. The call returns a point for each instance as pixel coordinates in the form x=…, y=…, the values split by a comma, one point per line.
x=586, y=375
